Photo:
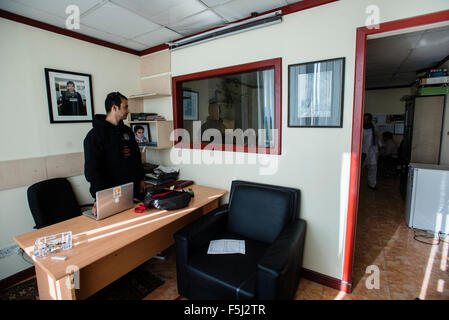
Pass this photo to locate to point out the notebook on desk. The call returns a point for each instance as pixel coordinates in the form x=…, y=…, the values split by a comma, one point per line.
x=111, y=201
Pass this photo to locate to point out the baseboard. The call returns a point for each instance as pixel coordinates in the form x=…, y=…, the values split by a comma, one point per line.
x=306, y=273
x=17, y=278
x=326, y=280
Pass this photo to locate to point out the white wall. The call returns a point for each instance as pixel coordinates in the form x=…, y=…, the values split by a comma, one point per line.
x=313, y=160
x=25, y=129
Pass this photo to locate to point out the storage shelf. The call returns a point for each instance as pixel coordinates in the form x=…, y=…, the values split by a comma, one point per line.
x=149, y=96
x=160, y=131
x=144, y=121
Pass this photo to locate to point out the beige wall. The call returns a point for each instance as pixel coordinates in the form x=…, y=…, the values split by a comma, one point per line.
x=313, y=160
x=25, y=129
x=386, y=101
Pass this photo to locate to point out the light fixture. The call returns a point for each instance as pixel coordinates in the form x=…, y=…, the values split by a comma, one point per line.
x=232, y=28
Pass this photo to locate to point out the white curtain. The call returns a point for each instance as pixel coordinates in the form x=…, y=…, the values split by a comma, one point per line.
x=265, y=81
x=315, y=94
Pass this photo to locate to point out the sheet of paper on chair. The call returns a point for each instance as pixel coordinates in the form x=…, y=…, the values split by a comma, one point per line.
x=226, y=246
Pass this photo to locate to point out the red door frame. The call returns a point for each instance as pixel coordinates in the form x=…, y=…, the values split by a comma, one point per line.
x=359, y=86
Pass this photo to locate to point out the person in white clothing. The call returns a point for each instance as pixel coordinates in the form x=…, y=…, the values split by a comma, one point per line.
x=370, y=149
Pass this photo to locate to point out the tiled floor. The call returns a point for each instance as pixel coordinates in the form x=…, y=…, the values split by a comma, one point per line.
x=407, y=268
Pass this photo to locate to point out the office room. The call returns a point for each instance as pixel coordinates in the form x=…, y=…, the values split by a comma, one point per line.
x=253, y=111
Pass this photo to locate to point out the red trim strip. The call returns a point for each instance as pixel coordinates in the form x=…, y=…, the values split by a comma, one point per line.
x=65, y=32
x=359, y=85
x=177, y=101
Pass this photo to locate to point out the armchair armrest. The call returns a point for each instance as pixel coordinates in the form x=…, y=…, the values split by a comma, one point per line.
x=279, y=269
x=195, y=235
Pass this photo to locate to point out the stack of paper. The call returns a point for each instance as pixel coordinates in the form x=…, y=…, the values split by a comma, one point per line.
x=226, y=246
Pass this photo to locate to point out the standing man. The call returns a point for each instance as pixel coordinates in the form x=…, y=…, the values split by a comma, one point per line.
x=111, y=154
x=370, y=149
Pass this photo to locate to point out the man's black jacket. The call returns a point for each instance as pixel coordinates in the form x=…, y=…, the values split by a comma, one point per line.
x=111, y=156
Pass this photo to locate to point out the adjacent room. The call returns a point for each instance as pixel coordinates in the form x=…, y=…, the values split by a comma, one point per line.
x=399, y=222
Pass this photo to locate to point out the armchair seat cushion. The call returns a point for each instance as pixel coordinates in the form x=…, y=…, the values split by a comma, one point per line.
x=225, y=276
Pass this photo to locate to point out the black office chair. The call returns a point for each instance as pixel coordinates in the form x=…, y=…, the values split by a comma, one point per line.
x=266, y=217
x=52, y=201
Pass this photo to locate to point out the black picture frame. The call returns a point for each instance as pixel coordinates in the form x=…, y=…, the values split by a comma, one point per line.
x=337, y=98
x=65, y=105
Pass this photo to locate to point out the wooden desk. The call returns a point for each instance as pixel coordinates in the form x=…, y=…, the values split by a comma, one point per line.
x=103, y=251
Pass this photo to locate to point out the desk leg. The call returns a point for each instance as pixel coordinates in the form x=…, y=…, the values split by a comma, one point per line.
x=50, y=289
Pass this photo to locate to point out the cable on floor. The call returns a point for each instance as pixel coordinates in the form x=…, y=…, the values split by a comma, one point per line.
x=429, y=235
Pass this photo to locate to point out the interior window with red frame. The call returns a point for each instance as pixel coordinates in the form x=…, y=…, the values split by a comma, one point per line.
x=236, y=108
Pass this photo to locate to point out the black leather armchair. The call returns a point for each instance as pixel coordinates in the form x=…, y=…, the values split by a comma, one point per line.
x=266, y=217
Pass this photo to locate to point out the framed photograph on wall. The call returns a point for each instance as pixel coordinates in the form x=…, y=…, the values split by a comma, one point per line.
x=190, y=104
x=69, y=96
x=141, y=133
x=316, y=94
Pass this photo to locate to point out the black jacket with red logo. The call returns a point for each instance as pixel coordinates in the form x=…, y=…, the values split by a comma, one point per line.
x=111, y=156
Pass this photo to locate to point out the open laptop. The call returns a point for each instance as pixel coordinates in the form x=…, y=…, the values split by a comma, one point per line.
x=113, y=200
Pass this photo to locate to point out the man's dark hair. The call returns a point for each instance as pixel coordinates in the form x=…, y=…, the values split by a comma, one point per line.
x=70, y=82
x=138, y=128
x=113, y=98
x=368, y=115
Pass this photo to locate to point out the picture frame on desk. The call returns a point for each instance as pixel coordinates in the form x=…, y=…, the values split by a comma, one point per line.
x=141, y=133
x=69, y=96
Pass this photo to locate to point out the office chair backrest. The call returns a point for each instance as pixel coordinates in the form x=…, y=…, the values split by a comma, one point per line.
x=260, y=211
x=52, y=201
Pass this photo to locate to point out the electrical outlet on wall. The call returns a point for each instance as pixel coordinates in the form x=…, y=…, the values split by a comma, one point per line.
x=8, y=251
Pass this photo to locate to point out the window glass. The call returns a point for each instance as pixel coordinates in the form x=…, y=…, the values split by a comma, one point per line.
x=237, y=108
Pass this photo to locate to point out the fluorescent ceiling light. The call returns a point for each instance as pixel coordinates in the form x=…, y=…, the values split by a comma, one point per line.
x=233, y=28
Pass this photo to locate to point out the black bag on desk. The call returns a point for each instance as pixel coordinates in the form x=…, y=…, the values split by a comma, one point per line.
x=167, y=199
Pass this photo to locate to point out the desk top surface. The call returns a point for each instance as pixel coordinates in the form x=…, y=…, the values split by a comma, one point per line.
x=93, y=240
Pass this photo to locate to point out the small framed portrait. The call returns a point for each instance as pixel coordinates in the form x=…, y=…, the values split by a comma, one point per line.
x=69, y=96
x=141, y=133
x=190, y=104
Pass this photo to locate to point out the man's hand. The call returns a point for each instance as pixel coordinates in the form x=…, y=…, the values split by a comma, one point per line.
x=94, y=209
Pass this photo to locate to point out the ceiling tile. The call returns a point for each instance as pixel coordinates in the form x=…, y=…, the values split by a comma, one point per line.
x=214, y=3
x=239, y=9
x=158, y=37
x=99, y=34
x=32, y=13
x=58, y=7
x=199, y=22
x=178, y=13
x=133, y=45
x=116, y=20
x=150, y=9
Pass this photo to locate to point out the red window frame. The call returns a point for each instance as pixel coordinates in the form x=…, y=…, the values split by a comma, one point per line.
x=253, y=66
